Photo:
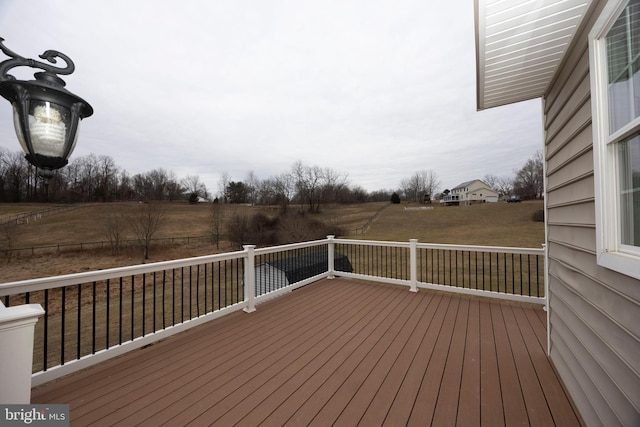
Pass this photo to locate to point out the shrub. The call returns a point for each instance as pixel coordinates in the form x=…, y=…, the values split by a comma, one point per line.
x=395, y=198
x=538, y=216
x=193, y=198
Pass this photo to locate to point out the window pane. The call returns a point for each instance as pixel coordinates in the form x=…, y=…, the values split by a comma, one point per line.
x=629, y=167
x=623, y=60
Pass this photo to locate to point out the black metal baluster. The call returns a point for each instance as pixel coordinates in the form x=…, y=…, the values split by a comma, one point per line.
x=93, y=326
x=107, y=318
x=475, y=255
x=132, y=304
x=226, y=302
x=173, y=296
x=432, y=265
x=490, y=272
x=198, y=290
x=450, y=269
x=144, y=304
x=205, y=288
x=239, y=274
x=483, y=275
x=164, y=277
x=155, y=308
x=120, y=310
x=181, y=294
x=513, y=273
x=46, y=328
x=190, y=293
x=537, y=276
x=63, y=322
x=219, y=289
x=79, y=320
x=521, y=282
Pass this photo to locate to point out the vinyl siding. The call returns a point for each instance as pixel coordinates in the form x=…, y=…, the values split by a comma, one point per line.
x=594, y=312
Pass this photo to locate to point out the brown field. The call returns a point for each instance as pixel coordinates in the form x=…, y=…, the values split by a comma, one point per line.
x=495, y=224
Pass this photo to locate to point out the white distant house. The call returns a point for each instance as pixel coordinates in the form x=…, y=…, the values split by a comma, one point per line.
x=469, y=193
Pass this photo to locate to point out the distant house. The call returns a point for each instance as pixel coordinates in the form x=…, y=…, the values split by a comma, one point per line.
x=469, y=193
x=580, y=57
x=276, y=274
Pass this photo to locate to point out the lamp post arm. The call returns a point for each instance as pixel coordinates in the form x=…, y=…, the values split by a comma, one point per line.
x=19, y=61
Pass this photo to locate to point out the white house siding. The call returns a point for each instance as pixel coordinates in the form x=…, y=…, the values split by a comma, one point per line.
x=594, y=312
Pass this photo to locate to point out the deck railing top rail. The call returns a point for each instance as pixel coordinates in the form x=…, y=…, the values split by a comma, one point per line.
x=52, y=282
x=446, y=246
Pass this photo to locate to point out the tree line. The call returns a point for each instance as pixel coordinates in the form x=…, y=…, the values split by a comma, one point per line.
x=97, y=178
x=526, y=182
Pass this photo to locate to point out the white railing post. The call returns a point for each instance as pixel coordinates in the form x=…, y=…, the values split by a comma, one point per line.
x=331, y=250
x=413, y=259
x=546, y=295
x=250, y=279
x=16, y=351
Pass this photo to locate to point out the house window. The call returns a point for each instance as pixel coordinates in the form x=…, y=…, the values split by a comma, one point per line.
x=615, y=88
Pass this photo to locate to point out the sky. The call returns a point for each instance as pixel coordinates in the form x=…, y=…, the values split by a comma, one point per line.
x=378, y=90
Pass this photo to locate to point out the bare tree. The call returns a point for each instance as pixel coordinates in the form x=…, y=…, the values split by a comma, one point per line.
x=309, y=181
x=284, y=189
x=420, y=184
x=215, y=216
x=145, y=223
x=114, y=224
x=238, y=228
x=106, y=178
x=194, y=187
x=252, y=183
x=490, y=180
x=504, y=186
x=8, y=233
x=528, y=182
x=333, y=183
x=430, y=182
x=222, y=186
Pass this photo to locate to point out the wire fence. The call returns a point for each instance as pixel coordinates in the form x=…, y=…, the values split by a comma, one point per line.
x=103, y=244
x=106, y=244
x=26, y=218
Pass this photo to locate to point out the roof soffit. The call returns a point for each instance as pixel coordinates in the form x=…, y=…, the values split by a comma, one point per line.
x=519, y=46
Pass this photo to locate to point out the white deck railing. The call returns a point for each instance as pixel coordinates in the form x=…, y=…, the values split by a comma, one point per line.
x=93, y=316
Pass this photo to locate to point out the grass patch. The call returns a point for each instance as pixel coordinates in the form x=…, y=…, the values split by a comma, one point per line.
x=487, y=224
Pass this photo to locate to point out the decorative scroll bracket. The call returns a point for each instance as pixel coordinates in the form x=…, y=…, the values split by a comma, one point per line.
x=50, y=70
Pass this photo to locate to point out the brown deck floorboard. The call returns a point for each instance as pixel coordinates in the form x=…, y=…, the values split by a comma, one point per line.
x=337, y=352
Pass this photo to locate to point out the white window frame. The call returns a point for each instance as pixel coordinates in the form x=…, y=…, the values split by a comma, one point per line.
x=611, y=253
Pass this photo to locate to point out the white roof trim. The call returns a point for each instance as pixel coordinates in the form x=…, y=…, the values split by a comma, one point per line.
x=519, y=46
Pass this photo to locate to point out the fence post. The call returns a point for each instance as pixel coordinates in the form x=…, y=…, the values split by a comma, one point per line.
x=413, y=264
x=250, y=279
x=331, y=250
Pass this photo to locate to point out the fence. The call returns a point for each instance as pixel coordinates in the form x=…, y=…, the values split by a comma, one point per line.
x=25, y=218
x=92, y=316
x=85, y=246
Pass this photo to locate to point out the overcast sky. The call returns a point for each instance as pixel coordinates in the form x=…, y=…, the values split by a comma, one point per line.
x=376, y=89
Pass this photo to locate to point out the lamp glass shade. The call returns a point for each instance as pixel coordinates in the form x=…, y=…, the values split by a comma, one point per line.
x=48, y=125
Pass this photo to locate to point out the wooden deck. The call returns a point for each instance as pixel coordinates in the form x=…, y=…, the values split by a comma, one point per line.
x=337, y=352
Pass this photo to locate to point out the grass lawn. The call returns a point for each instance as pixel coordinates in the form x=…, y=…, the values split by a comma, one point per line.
x=488, y=224
x=492, y=224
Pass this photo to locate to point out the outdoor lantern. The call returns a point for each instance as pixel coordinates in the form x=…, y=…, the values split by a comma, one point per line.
x=45, y=114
